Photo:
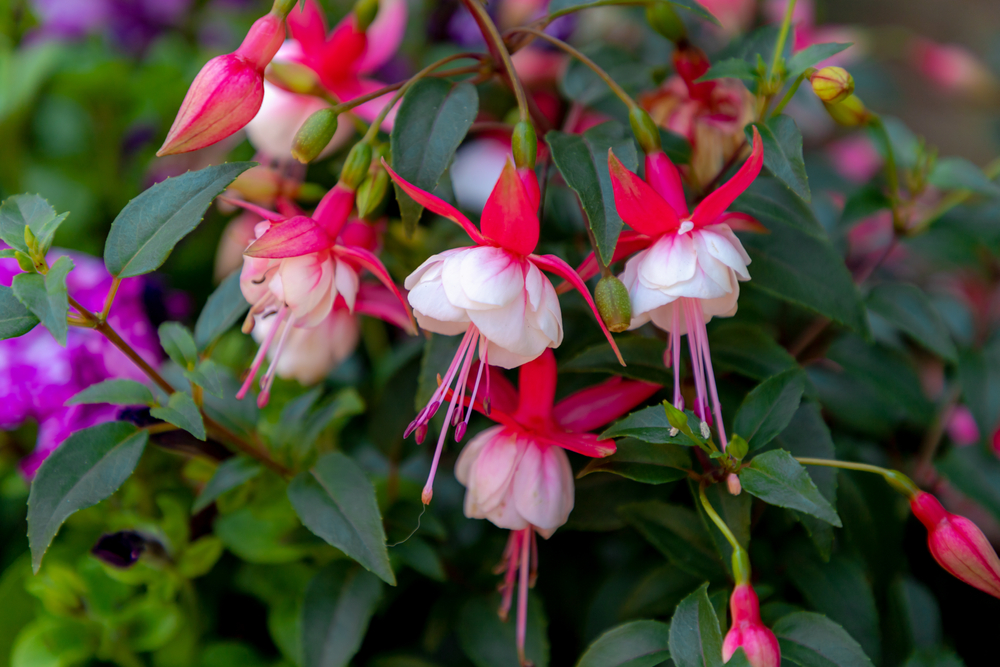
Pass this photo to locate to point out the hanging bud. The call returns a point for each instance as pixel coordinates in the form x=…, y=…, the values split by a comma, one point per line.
x=733, y=484
x=675, y=417
x=613, y=303
x=664, y=20
x=364, y=12
x=832, y=84
x=748, y=632
x=645, y=130
x=314, y=135
x=737, y=447
x=228, y=91
x=372, y=193
x=849, y=112
x=524, y=144
x=958, y=545
x=356, y=166
x=293, y=77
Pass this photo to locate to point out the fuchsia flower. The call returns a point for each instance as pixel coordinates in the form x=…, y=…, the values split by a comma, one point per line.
x=748, y=632
x=951, y=67
x=493, y=292
x=227, y=92
x=299, y=268
x=517, y=474
x=958, y=545
x=341, y=61
x=687, y=266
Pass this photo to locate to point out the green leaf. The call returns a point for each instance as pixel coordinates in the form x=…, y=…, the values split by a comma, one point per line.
x=689, y=5
x=230, y=474
x=643, y=462
x=908, y=308
x=489, y=642
x=730, y=68
x=778, y=479
x=695, y=637
x=812, y=55
x=46, y=297
x=864, y=202
x=84, y=470
x=336, y=501
x=15, y=319
x=783, y=153
x=582, y=160
x=748, y=350
x=677, y=533
x=199, y=557
x=178, y=343
x=975, y=474
x=416, y=553
x=30, y=211
x=224, y=308
x=937, y=656
x=635, y=644
x=643, y=358
x=209, y=376
x=767, y=410
x=774, y=205
x=812, y=640
x=650, y=425
x=979, y=375
x=339, y=603
x=55, y=642
x=956, y=173
x=677, y=147
x=905, y=145
x=580, y=84
x=115, y=392
x=182, y=412
x=432, y=121
x=150, y=225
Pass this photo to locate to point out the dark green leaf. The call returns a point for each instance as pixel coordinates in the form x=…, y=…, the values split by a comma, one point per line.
x=975, y=474
x=678, y=533
x=774, y=205
x=15, y=319
x=916, y=613
x=909, y=309
x=580, y=84
x=812, y=55
x=432, y=121
x=209, y=376
x=748, y=350
x=979, y=375
x=677, y=148
x=767, y=410
x=688, y=5
x=643, y=356
x=30, y=211
x=635, y=644
x=225, y=306
x=182, y=412
x=115, y=392
x=864, y=202
x=84, y=470
x=230, y=474
x=46, y=297
x=489, y=642
x=731, y=68
x=783, y=153
x=650, y=425
x=643, y=462
x=695, y=637
x=336, y=501
x=178, y=343
x=812, y=640
x=339, y=602
x=150, y=225
x=905, y=145
x=956, y=173
x=421, y=556
x=582, y=160
x=934, y=657
x=778, y=479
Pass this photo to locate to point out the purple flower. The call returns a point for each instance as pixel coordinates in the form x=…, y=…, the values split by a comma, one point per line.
x=132, y=24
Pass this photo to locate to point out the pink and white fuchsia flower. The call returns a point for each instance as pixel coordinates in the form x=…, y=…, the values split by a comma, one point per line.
x=517, y=474
x=493, y=292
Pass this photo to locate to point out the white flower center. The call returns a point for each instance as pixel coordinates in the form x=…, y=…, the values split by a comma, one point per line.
x=685, y=227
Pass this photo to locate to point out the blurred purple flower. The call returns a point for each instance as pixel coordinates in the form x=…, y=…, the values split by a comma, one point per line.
x=38, y=376
x=132, y=24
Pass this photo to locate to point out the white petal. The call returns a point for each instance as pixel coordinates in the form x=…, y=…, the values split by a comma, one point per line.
x=543, y=487
x=470, y=453
x=346, y=281
x=670, y=260
x=429, y=301
x=723, y=249
x=493, y=471
x=483, y=278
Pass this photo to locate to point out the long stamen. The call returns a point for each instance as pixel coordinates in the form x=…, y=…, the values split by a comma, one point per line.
x=484, y=350
x=434, y=403
x=706, y=354
x=460, y=430
x=675, y=348
x=261, y=352
x=694, y=343
x=522, y=596
x=511, y=556
x=265, y=384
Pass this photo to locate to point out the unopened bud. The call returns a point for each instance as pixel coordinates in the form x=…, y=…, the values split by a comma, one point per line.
x=524, y=144
x=644, y=129
x=356, y=166
x=849, y=112
x=664, y=20
x=749, y=632
x=832, y=84
x=733, y=484
x=613, y=303
x=675, y=417
x=293, y=77
x=737, y=447
x=364, y=12
x=314, y=135
x=372, y=193
x=24, y=261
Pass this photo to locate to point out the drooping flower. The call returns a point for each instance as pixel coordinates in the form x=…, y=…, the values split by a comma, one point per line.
x=494, y=293
x=748, y=632
x=341, y=61
x=517, y=475
x=687, y=266
x=958, y=545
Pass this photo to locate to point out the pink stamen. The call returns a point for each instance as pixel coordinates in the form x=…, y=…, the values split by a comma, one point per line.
x=522, y=595
x=717, y=405
x=675, y=348
x=509, y=563
x=261, y=352
x=694, y=343
x=265, y=384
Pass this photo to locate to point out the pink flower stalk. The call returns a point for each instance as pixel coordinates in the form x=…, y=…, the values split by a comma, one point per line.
x=298, y=268
x=228, y=91
x=517, y=474
x=341, y=60
x=494, y=293
x=748, y=632
x=958, y=545
x=686, y=266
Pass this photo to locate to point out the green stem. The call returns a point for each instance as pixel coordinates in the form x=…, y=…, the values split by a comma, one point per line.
x=955, y=198
x=789, y=95
x=545, y=20
x=779, y=46
x=891, y=173
x=896, y=480
x=110, y=298
x=717, y=520
x=492, y=35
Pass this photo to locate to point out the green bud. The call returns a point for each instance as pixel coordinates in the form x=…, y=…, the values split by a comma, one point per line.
x=849, y=112
x=372, y=192
x=738, y=447
x=613, y=303
x=293, y=76
x=901, y=483
x=664, y=20
x=524, y=143
x=356, y=166
x=365, y=11
x=645, y=130
x=24, y=262
x=676, y=417
x=832, y=84
x=30, y=240
x=314, y=135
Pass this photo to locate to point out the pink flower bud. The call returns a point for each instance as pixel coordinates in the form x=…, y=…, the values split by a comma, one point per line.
x=958, y=545
x=228, y=91
x=748, y=632
x=962, y=427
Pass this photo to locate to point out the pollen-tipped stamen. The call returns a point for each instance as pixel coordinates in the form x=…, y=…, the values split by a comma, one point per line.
x=261, y=353
x=268, y=380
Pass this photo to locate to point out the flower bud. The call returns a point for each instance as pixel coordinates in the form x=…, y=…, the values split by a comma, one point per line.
x=664, y=20
x=675, y=417
x=314, y=135
x=613, y=303
x=364, y=12
x=228, y=91
x=524, y=144
x=958, y=545
x=832, y=84
x=24, y=262
x=644, y=129
x=733, y=484
x=293, y=77
x=372, y=192
x=849, y=112
x=748, y=632
x=356, y=166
